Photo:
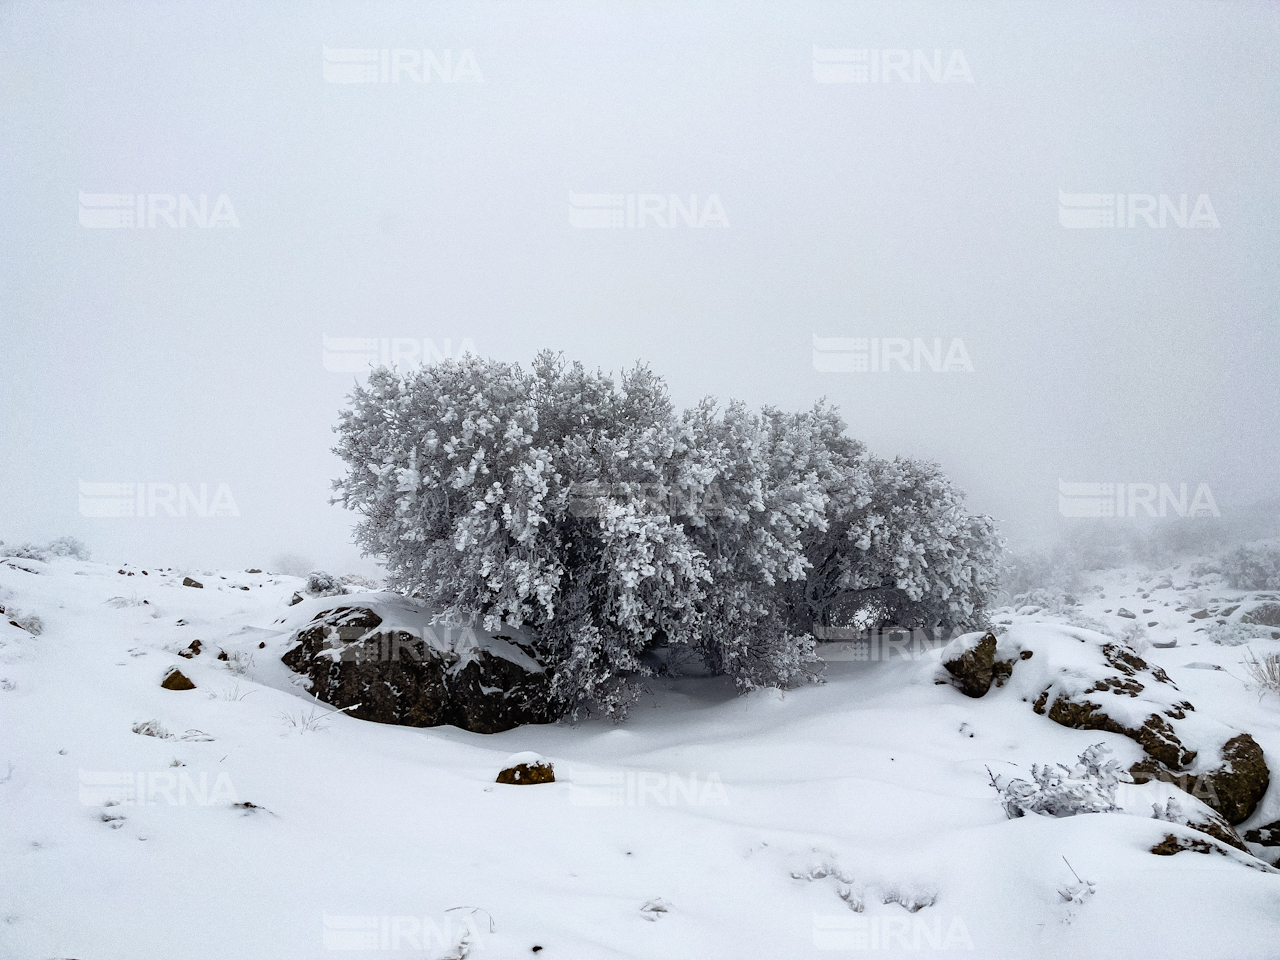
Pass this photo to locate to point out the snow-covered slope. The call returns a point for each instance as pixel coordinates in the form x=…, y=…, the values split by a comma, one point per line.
x=707, y=826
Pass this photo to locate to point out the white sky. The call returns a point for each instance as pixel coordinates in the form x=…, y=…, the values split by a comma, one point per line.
x=442, y=211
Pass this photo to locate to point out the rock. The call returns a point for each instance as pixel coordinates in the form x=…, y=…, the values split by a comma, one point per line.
x=1200, y=615
x=1200, y=665
x=253, y=570
x=527, y=768
x=1088, y=681
x=971, y=659
x=1171, y=845
x=1203, y=819
x=1163, y=646
x=1264, y=614
x=222, y=655
x=1233, y=785
x=1128, y=615
x=1153, y=623
x=1265, y=836
x=1241, y=780
x=383, y=660
x=188, y=582
x=297, y=598
x=191, y=650
x=176, y=680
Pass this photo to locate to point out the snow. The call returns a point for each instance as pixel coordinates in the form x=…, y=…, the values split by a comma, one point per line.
x=708, y=825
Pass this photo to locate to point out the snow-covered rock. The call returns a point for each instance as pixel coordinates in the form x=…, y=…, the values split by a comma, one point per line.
x=382, y=658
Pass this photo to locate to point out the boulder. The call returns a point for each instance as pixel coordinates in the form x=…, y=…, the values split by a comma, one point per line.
x=384, y=660
x=1240, y=780
x=1232, y=781
x=1264, y=614
x=971, y=659
x=188, y=582
x=526, y=768
x=176, y=680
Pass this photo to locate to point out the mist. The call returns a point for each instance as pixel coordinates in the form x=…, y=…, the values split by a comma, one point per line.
x=439, y=207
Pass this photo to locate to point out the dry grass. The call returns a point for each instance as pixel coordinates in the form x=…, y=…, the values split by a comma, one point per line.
x=1265, y=672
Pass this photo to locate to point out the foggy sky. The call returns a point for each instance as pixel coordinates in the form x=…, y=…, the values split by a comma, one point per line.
x=442, y=211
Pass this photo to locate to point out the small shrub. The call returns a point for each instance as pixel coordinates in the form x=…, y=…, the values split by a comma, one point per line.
x=321, y=584
x=1235, y=634
x=1060, y=791
x=68, y=547
x=1264, y=672
x=1253, y=566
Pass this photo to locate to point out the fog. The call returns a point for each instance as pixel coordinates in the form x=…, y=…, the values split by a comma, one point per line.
x=406, y=211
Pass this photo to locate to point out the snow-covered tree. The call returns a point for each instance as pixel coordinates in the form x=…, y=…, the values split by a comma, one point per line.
x=899, y=548
x=586, y=510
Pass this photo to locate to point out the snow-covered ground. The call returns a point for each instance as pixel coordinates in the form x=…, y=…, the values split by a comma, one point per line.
x=708, y=825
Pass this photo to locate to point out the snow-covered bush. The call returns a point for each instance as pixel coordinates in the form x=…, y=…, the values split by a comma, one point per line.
x=1253, y=566
x=593, y=514
x=60, y=547
x=68, y=547
x=1234, y=634
x=321, y=584
x=900, y=549
x=1059, y=791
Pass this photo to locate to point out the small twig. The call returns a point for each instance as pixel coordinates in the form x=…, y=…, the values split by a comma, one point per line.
x=1072, y=869
x=473, y=909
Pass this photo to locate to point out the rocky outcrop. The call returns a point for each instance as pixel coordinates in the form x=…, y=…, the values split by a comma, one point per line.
x=1088, y=681
x=384, y=660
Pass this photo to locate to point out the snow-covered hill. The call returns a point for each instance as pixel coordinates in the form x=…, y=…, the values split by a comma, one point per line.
x=707, y=826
